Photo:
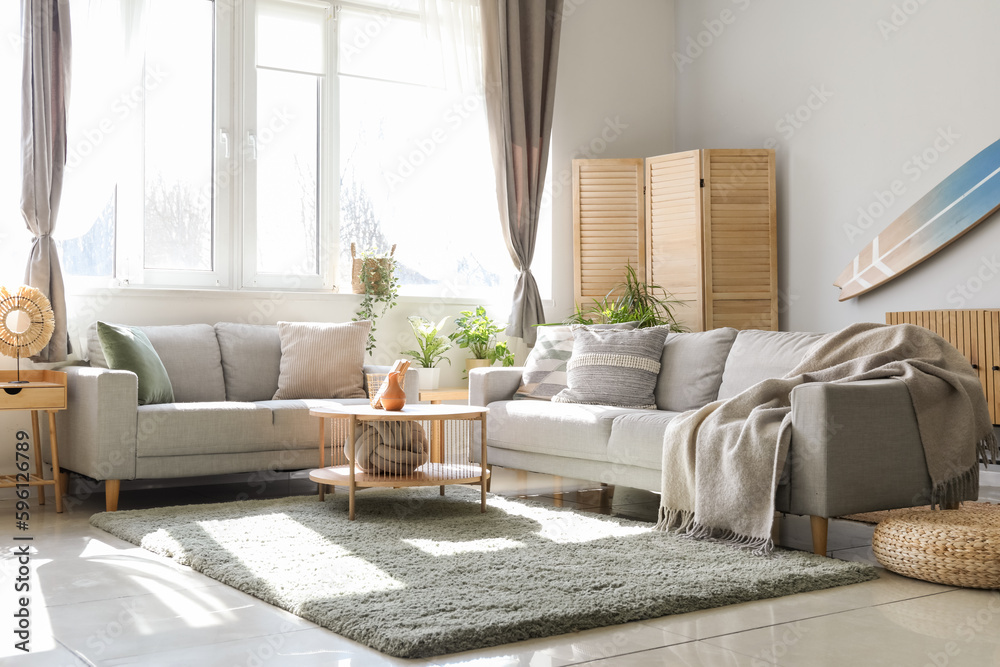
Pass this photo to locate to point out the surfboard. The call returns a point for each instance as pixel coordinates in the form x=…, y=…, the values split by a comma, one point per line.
x=965, y=198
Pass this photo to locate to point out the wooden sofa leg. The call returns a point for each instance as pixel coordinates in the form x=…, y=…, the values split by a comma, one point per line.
x=820, y=525
x=111, y=489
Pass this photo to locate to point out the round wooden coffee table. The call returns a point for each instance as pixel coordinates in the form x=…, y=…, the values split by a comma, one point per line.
x=446, y=432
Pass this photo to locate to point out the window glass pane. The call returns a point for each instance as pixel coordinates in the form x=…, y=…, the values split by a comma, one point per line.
x=290, y=36
x=287, y=169
x=92, y=253
x=14, y=237
x=416, y=171
x=385, y=46
x=179, y=135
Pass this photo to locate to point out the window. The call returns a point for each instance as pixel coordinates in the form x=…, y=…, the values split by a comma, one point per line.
x=287, y=97
x=141, y=202
x=415, y=159
x=193, y=163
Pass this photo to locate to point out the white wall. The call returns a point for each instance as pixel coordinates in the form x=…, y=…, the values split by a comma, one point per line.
x=885, y=86
x=614, y=99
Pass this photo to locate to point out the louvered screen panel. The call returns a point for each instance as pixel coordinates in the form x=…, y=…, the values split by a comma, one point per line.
x=608, y=225
x=673, y=232
x=740, y=231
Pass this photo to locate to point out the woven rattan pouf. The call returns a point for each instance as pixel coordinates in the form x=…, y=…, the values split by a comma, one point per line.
x=953, y=547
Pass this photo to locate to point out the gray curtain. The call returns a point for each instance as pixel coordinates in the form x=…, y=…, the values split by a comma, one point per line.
x=520, y=49
x=45, y=98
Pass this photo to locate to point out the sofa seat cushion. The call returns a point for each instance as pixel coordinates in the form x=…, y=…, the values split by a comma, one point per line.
x=759, y=355
x=294, y=427
x=561, y=429
x=178, y=429
x=637, y=439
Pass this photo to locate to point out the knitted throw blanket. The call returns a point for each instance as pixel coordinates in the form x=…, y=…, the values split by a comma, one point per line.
x=722, y=462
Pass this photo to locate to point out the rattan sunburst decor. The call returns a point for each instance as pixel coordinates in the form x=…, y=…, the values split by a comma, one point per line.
x=40, y=325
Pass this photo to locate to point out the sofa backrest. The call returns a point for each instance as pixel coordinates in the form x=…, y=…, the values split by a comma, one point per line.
x=758, y=355
x=189, y=352
x=251, y=360
x=691, y=368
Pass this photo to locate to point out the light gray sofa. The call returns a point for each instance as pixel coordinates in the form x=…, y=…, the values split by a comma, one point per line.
x=222, y=421
x=854, y=447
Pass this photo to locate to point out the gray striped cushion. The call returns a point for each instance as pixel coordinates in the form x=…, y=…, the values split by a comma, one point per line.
x=544, y=373
x=617, y=368
x=322, y=360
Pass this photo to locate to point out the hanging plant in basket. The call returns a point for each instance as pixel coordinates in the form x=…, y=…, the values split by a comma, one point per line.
x=374, y=276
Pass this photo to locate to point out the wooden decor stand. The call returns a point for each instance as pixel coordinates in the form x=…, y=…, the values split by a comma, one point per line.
x=45, y=391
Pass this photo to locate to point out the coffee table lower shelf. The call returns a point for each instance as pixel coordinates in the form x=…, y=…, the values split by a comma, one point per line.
x=429, y=474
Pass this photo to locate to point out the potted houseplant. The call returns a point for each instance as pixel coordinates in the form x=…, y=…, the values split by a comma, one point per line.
x=374, y=276
x=477, y=332
x=632, y=300
x=431, y=348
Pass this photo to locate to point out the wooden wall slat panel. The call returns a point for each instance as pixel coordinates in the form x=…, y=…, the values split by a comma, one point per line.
x=975, y=333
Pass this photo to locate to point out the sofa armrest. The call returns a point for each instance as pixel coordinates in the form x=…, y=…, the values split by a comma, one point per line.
x=493, y=384
x=411, y=383
x=97, y=430
x=855, y=448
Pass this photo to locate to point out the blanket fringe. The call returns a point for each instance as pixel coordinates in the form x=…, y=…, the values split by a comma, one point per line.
x=682, y=523
x=759, y=546
x=989, y=449
x=673, y=520
x=951, y=492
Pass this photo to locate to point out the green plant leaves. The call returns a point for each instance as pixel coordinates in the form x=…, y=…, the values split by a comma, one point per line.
x=477, y=333
x=432, y=346
x=378, y=277
x=633, y=300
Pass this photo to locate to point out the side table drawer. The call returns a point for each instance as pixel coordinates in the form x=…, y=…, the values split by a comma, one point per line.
x=34, y=398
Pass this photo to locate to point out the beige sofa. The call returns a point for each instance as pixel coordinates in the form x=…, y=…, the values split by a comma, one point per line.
x=854, y=447
x=223, y=419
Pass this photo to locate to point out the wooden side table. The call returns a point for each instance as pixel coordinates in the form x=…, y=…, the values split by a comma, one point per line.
x=45, y=391
x=447, y=465
x=436, y=396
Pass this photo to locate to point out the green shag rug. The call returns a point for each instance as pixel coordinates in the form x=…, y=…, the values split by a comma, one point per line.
x=418, y=575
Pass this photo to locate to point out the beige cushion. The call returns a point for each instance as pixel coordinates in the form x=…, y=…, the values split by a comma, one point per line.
x=322, y=360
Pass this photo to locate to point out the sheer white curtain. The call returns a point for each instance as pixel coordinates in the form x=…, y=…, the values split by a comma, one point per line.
x=105, y=107
x=455, y=27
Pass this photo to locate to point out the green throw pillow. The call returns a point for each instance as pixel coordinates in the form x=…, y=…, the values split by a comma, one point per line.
x=128, y=349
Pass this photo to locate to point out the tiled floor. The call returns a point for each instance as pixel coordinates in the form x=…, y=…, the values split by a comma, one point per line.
x=96, y=600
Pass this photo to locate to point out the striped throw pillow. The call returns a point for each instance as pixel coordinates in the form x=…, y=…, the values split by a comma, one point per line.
x=322, y=360
x=544, y=373
x=617, y=368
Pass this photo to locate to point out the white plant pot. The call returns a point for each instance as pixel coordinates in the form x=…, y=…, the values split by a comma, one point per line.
x=430, y=378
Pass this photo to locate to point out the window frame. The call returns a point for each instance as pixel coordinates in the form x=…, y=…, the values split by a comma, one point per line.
x=129, y=238
x=328, y=196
